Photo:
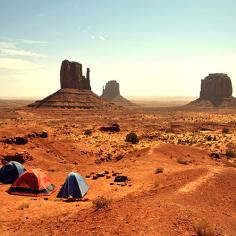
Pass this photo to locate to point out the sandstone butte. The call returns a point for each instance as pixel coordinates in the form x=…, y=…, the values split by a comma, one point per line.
x=75, y=92
x=111, y=92
x=216, y=91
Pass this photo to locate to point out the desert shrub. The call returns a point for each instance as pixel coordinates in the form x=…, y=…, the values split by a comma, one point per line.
x=183, y=161
x=230, y=153
x=23, y=206
x=159, y=170
x=203, y=228
x=88, y=132
x=225, y=130
x=209, y=138
x=132, y=138
x=101, y=203
x=52, y=169
x=119, y=157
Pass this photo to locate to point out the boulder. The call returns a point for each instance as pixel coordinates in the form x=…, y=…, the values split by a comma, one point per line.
x=71, y=76
x=17, y=140
x=121, y=178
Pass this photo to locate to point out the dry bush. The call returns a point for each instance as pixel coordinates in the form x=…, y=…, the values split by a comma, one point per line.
x=119, y=157
x=203, y=228
x=156, y=184
x=52, y=169
x=159, y=170
x=101, y=203
x=23, y=206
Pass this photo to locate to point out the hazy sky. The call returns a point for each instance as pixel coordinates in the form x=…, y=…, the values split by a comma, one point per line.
x=152, y=47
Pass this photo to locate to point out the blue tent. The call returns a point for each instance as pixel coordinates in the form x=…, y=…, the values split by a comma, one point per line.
x=74, y=187
x=10, y=172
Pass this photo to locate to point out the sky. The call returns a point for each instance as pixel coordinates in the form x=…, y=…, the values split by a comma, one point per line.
x=151, y=47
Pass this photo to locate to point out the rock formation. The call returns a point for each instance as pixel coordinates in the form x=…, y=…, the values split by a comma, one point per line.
x=75, y=91
x=111, y=92
x=216, y=91
x=216, y=86
x=71, y=76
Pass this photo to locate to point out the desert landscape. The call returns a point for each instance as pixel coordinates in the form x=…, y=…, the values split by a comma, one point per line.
x=118, y=118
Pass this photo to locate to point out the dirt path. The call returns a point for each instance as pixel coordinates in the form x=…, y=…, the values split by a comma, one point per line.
x=192, y=186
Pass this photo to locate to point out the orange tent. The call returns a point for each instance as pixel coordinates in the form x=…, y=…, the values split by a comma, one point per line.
x=32, y=183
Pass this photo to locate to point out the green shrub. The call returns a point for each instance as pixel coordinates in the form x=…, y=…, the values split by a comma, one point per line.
x=225, y=130
x=230, y=153
x=132, y=138
x=88, y=132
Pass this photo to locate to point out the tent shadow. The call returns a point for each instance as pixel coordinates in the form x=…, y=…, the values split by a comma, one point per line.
x=69, y=200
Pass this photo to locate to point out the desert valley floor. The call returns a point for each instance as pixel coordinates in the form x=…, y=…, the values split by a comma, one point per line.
x=193, y=190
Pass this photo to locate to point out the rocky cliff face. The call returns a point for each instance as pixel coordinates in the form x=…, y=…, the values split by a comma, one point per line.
x=71, y=76
x=216, y=86
x=111, y=90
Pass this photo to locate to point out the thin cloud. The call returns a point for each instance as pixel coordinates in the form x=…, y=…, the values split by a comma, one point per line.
x=18, y=52
x=27, y=41
x=17, y=64
x=7, y=44
x=103, y=38
x=12, y=48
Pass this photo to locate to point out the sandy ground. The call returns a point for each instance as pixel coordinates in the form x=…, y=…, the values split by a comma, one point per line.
x=168, y=203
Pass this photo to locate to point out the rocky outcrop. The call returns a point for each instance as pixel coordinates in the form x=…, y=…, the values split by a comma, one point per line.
x=111, y=90
x=71, y=76
x=216, y=86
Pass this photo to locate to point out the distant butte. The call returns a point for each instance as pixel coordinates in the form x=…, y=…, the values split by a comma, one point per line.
x=75, y=91
x=111, y=92
x=216, y=91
